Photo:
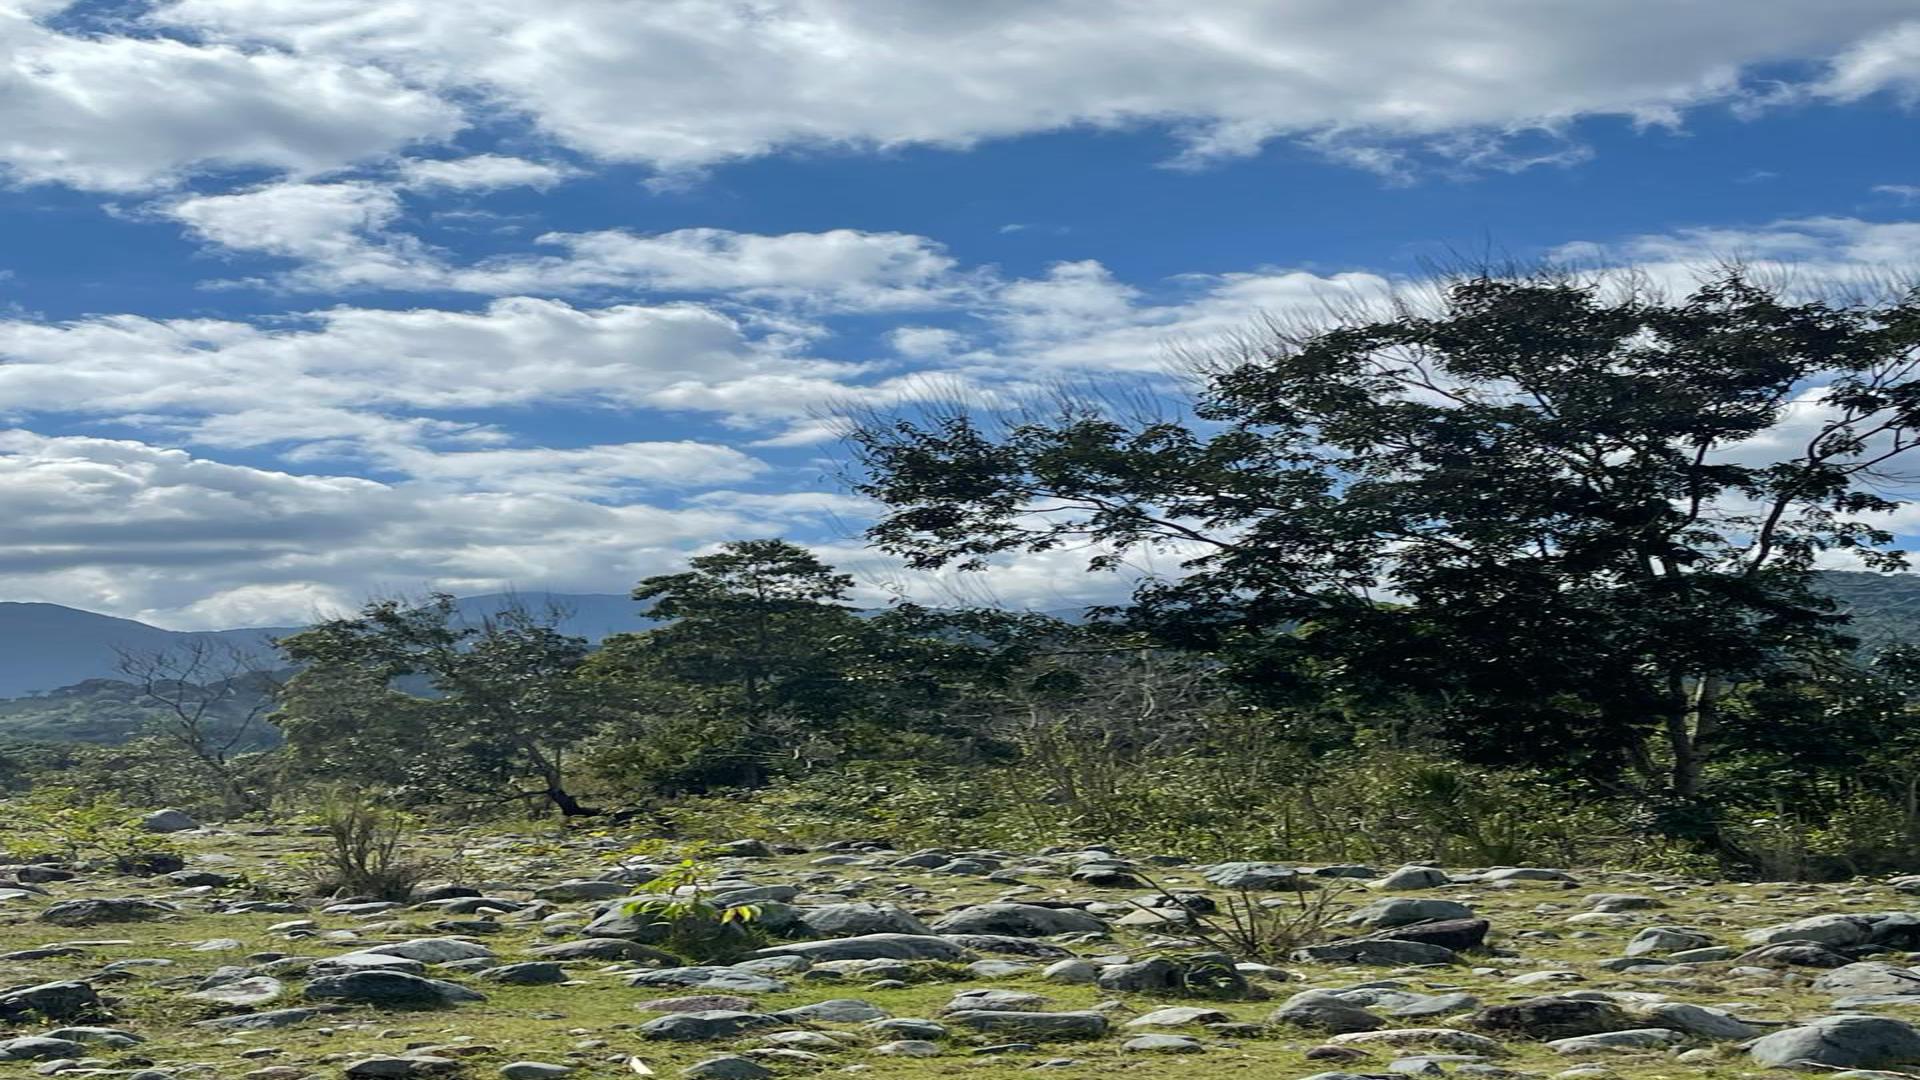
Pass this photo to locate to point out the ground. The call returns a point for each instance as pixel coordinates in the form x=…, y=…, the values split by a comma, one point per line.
x=591, y=1022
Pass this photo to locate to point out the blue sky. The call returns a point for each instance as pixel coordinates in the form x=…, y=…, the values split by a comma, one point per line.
x=307, y=300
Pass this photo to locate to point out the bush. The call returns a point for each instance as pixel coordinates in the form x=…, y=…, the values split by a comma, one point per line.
x=367, y=850
x=697, y=929
x=57, y=823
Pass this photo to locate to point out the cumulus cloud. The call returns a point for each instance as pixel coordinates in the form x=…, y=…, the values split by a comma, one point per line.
x=681, y=84
x=482, y=172
x=118, y=113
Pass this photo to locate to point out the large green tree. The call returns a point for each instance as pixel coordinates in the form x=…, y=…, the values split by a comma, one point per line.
x=1566, y=516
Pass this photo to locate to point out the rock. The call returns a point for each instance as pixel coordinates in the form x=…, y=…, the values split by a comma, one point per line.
x=1711, y=955
x=1871, y=977
x=1848, y=1042
x=1179, y=1016
x=603, y=949
x=194, y=879
x=1033, y=1025
x=39, y=1048
x=1435, y=1005
x=1318, y=1011
x=851, y=920
x=1528, y=873
x=389, y=988
x=1019, y=920
x=1460, y=1042
x=1666, y=939
x=1616, y=1041
x=1395, y=911
x=433, y=950
x=1105, y=875
x=105, y=910
x=1794, y=954
x=1456, y=935
x=1373, y=951
x=1072, y=972
x=576, y=890
x=262, y=1021
x=1546, y=1018
x=1410, y=878
x=918, y=1048
x=257, y=990
x=348, y=963
x=729, y=1067
x=386, y=1068
x=1715, y=1024
x=872, y=947
x=1830, y=930
x=991, y=1000
x=168, y=821
x=532, y=973
x=68, y=1000
x=533, y=1070
x=99, y=1036
x=835, y=1011
x=706, y=1026
x=1163, y=1044
x=733, y=980
x=1257, y=875
x=1011, y=946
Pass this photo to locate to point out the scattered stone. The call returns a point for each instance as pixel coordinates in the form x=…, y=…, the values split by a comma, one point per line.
x=707, y=1026
x=1848, y=1042
x=1046, y=1027
x=86, y=912
x=1163, y=1044
x=1019, y=920
x=168, y=821
x=389, y=988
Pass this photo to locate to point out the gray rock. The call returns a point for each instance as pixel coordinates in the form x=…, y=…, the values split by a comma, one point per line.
x=1527, y=873
x=1848, y=1042
x=1163, y=1044
x=532, y=973
x=851, y=920
x=533, y=1070
x=1074, y=971
x=917, y=1048
x=1553, y=1018
x=257, y=990
x=1616, y=1041
x=705, y=1026
x=98, y=1036
x=262, y=1021
x=393, y=1068
x=1716, y=1024
x=835, y=1011
x=603, y=949
x=873, y=947
x=576, y=890
x=433, y=950
x=993, y=1000
x=1179, y=1016
x=1394, y=953
x=1019, y=920
x=348, y=963
x=1257, y=875
x=729, y=1067
x=39, y=1048
x=389, y=988
x=1319, y=1011
x=1872, y=977
x=68, y=1000
x=1830, y=930
x=1666, y=939
x=1410, y=878
x=1435, y=1005
x=105, y=910
x=1404, y=911
x=731, y=980
x=168, y=821
x=1038, y=1026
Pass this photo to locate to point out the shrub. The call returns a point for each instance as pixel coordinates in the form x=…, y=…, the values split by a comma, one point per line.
x=57, y=823
x=697, y=929
x=367, y=851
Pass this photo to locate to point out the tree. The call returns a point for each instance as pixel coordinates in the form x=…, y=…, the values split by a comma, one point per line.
x=1570, y=517
x=502, y=703
x=210, y=701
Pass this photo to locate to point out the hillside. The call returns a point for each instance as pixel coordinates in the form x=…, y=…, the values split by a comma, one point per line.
x=1885, y=607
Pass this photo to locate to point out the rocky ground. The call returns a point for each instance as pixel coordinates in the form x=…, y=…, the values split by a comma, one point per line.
x=940, y=963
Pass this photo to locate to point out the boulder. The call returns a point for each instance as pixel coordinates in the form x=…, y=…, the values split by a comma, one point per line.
x=872, y=947
x=1019, y=920
x=1870, y=977
x=726, y=979
x=603, y=949
x=1835, y=931
x=441, y=950
x=1319, y=1011
x=706, y=1026
x=86, y=912
x=262, y=1021
x=1716, y=1024
x=1395, y=911
x=727, y=1067
x=40, y=1048
x=168, y=821
x=1528, y=873
x=1257, y=875
x=576, y=890
x=70, y=1000
x=1377, y=951
x=1613, y=1042
x=1655, y=940
x=851, y=920
x=1038, y=1026
x=389, y=988
x=399, y=1067
x=1546, y=1018
x=256, y=990
x=1458, y=935
x=531, y=973
x=1411, y=878
x=1846, y=1042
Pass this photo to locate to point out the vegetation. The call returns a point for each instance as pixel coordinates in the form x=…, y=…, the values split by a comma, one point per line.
x=1526, y=571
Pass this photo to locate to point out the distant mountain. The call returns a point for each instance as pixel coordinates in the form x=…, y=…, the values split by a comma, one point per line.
x=44, y=647
x=1885, y=607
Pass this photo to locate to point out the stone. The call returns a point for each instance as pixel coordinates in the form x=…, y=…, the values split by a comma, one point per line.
x=92, y=910
x=1435, y=1005
x=1376, y=951
x=1411, y=878
x=348, y=963
x=1848, y=1042
x=39, y=1048
x=697, y=1003
x=1019, y=920
x=533, y=1070
x=603, y=949
x=918, y=1048
x=1075, y=971
x=1608, y=1042
x=1455, y=935
x=101, y=1036
x=194, y=879
x=257, y=990
x=168, y=821
x=835, y=1011
x=1319, y=1011
x=531, y=973
x=576, y=890
x=1448, y=1039
x=729, y=1067
x=1655, y=940
x=1528, y=873
x=728, y=979
x=1794, y=954
x=1545, y=1018
x=1716, y=1024
x=706, y=1026
x=1163, y=1044
x=1179, y=1016
x=1038, y=1026
x=1870, y=977
x=386, y=1068
x=872, y=947
x=1011, y=946
x=853, y=920
x=1395, y=911
x=68, y=1000
x=1836, y=931
x=1257, y=876
x=261, y=1021
x=433, y=950
x=389, y=988
x=994, y=1000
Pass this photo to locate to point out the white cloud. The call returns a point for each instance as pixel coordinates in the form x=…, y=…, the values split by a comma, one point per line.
x=115, y=113
x=1886, y=61
x=579, y=472
x=681, y=84
x=482, y=172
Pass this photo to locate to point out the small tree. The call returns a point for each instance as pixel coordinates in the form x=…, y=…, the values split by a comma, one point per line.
x=211, y=701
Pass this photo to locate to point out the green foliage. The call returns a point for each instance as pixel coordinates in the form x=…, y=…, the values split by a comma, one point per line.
x=63, y=825
x=369, y=850
x=680, y=899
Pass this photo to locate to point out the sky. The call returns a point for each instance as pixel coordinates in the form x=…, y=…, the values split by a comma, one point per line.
x=307, y=301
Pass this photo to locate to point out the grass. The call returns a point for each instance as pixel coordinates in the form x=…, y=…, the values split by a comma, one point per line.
x=593, y=1026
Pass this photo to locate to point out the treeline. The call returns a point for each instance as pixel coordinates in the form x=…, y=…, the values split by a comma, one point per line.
x=1522, y=571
